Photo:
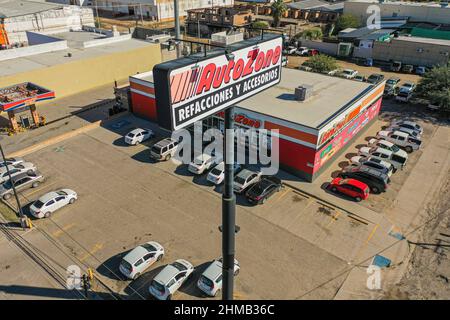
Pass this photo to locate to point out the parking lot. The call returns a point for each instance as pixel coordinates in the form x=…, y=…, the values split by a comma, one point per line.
x=294, y=246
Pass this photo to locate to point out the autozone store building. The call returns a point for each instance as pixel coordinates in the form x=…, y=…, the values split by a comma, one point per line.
x=311, y=132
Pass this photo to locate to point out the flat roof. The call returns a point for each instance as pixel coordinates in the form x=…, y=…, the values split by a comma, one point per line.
x=76, y=39
x=16, y=8
x=145, y=76
x=330, y=95
x=48, y=59
x=441, y=42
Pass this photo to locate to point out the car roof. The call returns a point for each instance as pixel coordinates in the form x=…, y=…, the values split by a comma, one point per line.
x=394, y=78
x=137, y=130
x=135, y=254
x=381, y=150
x=408, y=122
x=19, y=176
x=400, y=133
x=245, y=173
x=385, y=142
x=213, y=271
x=48, y=196
x=164, y=142
x=166, y=274
x=356, y=183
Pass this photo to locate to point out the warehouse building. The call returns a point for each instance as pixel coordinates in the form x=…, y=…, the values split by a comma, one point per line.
x=312, y=132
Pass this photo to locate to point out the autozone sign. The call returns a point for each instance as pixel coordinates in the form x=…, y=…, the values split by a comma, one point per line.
x=188, y=91
x=243, y=119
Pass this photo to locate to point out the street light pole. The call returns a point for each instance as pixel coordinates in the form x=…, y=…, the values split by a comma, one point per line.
x=228, y=209
x=177, y=25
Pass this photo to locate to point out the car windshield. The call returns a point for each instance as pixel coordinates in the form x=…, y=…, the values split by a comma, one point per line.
x=7, y=185
x=206, y=281
x=156, y=149
x=158, y=286
x=258, y=189
x=216, y=172
x=126, y=265
x=131, y=135
x=148, y=247
x=390, y=81
x=179, y=266
x=38, y=204
x=61, y=193
x=403, y=94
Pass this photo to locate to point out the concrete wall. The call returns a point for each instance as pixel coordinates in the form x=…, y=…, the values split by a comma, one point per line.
x=417, y=12
x=81, y=75
x=32, y=50
x=48, y=22
x=408, y=52
x=325, y=47
x=101, y=42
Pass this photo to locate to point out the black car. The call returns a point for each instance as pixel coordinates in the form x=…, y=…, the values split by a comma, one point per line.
x=263, y=189
x=375, y=78
x=376, y=180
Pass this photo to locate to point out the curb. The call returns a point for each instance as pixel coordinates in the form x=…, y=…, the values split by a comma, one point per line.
x=63, y=136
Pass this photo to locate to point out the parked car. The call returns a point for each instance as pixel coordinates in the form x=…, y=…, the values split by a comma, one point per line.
x=14, y=170
x=201, y=163
x=302, y=51
x=421, y=70
x=350, y=187
x=244, y=179
x=373, y=162
x=312, y=52
x=390, y=91
x=408, y=87
x=391, y=88
x=21, y=181
x=210, y=282
x=289, y=50
x=403, y=96
x=217, y=174
x=408, y=68
x=138, y=135
x=396, y=160
x=349, y=73
x=360, y=78
x=375, y=78
x=52, y=201
x=141, y=258
x=11, y=161
x=374, y=179
x=396, y=66
x=408, y=125
x=401, y=139
x=263, y=189
x=434, y=106
x=164, y=149
x=388, y=146
x=170, y=279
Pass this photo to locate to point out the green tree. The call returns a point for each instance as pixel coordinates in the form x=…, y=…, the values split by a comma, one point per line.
x=260, y=25
x=347, y=21
x=278, y=9
x=321, y=63
x=312, y=34
x=434, y=86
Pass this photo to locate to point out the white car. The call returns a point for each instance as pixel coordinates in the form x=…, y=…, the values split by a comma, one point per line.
x=388, y=146
x=52, y=201
x=408, y=87
x=408, y=125
x=289, y=50
x=210, y=282
x=382, y=154
x=201, y=163
x=375, y=163
x=138, y=135
x=244, y=179
x=23, y=167
x=170, y=279
x=302, y=51
x=349, y=73
x=140, y=258
x=401, y=139
x=11, y=161
x=217, y=174
x=403, y=96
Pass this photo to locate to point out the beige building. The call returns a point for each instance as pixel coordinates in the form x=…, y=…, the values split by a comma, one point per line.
x=413, y=50
x=417, y=11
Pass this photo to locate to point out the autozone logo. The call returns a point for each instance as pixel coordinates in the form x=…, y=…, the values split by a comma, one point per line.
x=243, y=119
x=199, y=81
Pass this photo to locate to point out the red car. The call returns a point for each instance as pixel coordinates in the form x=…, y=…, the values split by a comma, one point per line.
x=350, y=187
x=312, y=52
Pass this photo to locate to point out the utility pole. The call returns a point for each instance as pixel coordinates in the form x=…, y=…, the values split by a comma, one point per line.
x=142, y=17
x=177, y=25
x=228, y=209
x=96, y=12
x=23, y=218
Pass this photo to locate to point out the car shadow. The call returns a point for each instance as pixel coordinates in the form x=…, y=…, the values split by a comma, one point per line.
x=201, y=180
x=242, y=200
x=343, y=164
x=120, y=142
x=360, y=146
x=190, y=286
x=182, y=170
x=110, y=267
x=335, y=174
x=139, y=288
x=143, y=156
x=350, y=155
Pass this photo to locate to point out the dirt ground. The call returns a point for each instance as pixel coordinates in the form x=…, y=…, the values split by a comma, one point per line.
x=428, y=272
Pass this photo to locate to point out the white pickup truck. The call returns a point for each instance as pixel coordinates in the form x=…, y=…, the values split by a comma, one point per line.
x=401, y=139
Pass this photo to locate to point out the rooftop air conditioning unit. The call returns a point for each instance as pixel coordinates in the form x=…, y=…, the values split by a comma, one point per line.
x=303, y=92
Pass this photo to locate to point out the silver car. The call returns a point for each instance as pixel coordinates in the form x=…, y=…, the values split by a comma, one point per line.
x=11, y=161
x=140, y=258
x=52, y=201
x=210, y=282
x=164, y=149
x=21, y=181
x=170, y=279
x=14, y=170
x=244, y=179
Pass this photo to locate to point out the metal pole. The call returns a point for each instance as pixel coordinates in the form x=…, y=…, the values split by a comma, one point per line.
x=228, y=209
x=142, y=17
x=177, y=25
x=98, y=18
x=12, y=184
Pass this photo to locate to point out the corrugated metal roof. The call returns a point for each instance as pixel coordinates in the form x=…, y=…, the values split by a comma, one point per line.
x=316, y=4
x=16, y=8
